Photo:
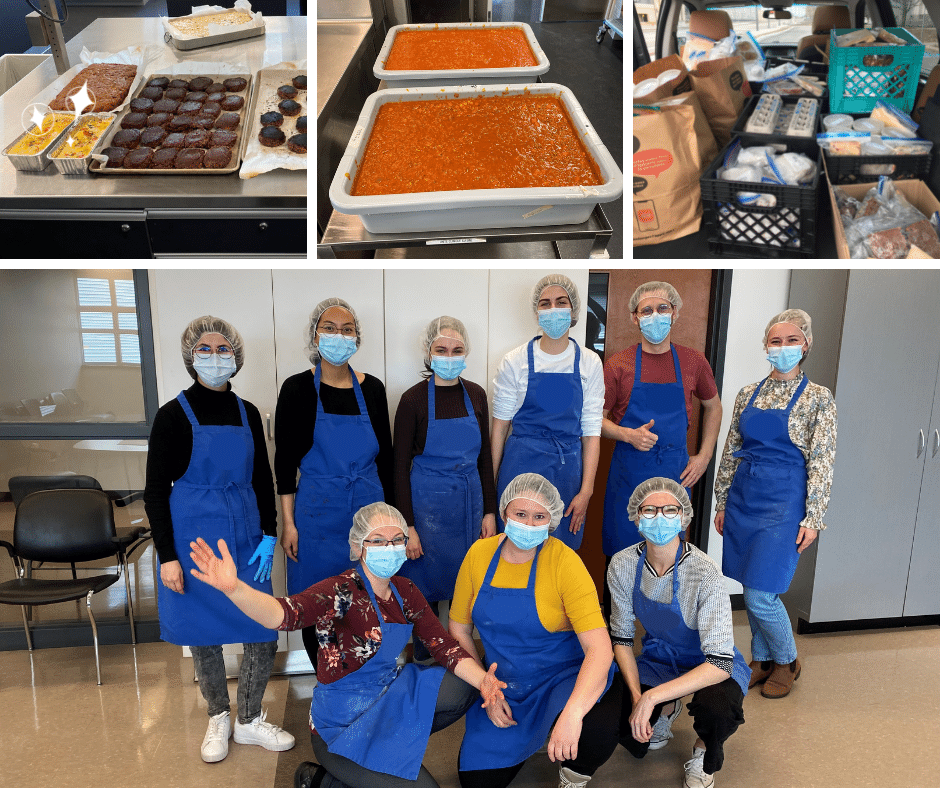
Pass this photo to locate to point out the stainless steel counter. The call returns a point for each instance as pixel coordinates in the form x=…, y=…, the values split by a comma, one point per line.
x=338, y=44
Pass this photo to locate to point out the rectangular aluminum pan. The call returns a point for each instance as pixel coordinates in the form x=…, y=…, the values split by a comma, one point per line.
x=473, y=208
x=465, y=76
x=80, y=166
x=208, y=41
x=35, y=162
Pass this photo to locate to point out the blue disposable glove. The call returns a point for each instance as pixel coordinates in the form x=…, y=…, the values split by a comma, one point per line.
x=265, y=552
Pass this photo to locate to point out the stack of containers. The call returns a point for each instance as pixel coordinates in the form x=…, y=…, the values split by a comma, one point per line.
x=478, y=208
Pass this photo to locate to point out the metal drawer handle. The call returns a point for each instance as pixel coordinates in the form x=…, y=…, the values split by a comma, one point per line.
x=921, y=443
x=263, y=226
x=125, y=228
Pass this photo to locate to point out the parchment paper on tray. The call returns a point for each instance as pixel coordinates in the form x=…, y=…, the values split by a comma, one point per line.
x=214, y=29
x=257, y=158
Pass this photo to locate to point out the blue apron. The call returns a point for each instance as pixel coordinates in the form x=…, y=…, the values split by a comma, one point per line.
x=670, y=648
x=214, y=499
x=447, y=499
x=539, y=666
x=546, y=437
x=380, y=715
x=766, y=501
x=338, y=476
x=630, y=467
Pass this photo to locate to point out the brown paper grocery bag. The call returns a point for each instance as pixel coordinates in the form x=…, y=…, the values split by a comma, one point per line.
x=674, y=87
x=707, y=146
x=723, y=90
x=667, y=198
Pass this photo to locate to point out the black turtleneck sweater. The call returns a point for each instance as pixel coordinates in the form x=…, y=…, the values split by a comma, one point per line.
x=171, y=447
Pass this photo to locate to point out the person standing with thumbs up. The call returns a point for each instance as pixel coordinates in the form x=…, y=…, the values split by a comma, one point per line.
x=647, y=406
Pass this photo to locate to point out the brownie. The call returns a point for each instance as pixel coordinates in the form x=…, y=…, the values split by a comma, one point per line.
x=190, y=159
x=212, y=109
x=164, y=159
x=159, y=119
x=228, y=120
x=197, y=139
x=158, y=82
x=235, y=84
x=166, y=105
x=189, y=108
x=302, y=124
x=179, y=83
x=202, y=121
x=138, y=159
x=232, y=103
x=177, y=94
x=199, y=83
x=271, y=137
x=115, y=156
x=215, y=95
x=221, y=138
x=217, y=158
x=215, y=87
x=922, y=235
x=272, y=119
x=300, y=82
x=152, y=93
x=153, y=137
x=289, y=107
x=134, y=120
x=174, y=140
x=144, y=105
x=298, y=143
x=198, y=96
x=180, y=123
x=127, y=139
x=287, y=92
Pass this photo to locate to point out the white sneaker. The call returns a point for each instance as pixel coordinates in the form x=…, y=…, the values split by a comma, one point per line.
x=570, y=779
x=695, y=776
x=662, y=730
x=215, y=745
x=263, y=733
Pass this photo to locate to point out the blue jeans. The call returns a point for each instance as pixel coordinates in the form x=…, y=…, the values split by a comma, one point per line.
x=771, y=634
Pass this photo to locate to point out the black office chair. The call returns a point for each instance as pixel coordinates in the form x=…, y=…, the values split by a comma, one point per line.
x=65, y=526
x=266, y=7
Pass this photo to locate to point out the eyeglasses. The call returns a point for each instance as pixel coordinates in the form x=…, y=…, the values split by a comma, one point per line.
x=346, y=331
x=204, y=351
x=662, y=309
x=669, y=512
x=398, y=541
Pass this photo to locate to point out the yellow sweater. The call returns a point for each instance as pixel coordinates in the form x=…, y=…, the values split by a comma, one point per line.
x=565, y=596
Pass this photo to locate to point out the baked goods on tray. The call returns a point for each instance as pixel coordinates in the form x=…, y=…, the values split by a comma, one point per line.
x=108, y=83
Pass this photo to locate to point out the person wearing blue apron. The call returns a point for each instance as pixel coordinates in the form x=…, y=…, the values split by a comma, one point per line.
x=672, y=588
x=551, y=393
x=205, y=474
x=772, y=488
x=371, y=719
x=441, y=474
x=559, y=673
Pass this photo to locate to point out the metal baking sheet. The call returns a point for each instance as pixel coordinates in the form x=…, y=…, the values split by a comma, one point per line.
x=99, y=168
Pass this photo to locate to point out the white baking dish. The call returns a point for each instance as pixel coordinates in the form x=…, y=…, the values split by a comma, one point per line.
x=473, y=208
x=475, y=76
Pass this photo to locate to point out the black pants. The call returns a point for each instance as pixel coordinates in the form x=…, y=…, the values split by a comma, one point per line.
x=599, y=737
x=716, y=713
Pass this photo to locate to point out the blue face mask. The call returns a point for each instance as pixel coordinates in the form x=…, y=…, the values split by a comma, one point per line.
x=214, y=371
x=660, y=530
x=656, y=327
x=786, y=358
x=336, y=348
x=555, y=322
x=525, y=537
x=448, y=368
x=385, y=561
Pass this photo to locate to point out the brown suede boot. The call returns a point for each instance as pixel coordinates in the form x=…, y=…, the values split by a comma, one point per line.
x=781, y=680
x=760, y=672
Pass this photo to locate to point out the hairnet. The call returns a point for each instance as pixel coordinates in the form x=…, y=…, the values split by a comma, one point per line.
x=798, y=318
x=655, y=485
x=207, y=324
x=534, y=487
x=312, y=352
x=440, y=324
x=653, y=288
x=565, y=284
x=362, y=524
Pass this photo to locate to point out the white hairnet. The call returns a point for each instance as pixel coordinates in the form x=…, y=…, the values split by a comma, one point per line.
x=207, y=324
x=795, y=317
x=534, y=487
x=363, y=524
x=312, y=352
x=565, y=284
x=442, y=323
x=655, y=288
x=655, y=485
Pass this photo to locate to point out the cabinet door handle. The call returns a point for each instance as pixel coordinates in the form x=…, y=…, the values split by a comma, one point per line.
x=921, y=443
x=936, y=442
x=268, y=417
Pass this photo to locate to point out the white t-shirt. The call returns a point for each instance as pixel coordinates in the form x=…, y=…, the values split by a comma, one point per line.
x=512, y=378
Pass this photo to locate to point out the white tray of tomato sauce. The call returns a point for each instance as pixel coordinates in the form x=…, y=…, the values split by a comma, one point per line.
x=455, y=162
x=478, y=53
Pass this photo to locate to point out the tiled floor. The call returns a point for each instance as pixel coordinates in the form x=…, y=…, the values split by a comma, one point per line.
x=864, y=713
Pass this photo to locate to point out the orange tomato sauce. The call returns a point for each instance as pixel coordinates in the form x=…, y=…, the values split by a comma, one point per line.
x=429, y=50
x=503, y=142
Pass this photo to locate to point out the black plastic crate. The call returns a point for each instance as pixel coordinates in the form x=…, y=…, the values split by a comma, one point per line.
x=788, y=229
x=799, y=144
x=849, y=169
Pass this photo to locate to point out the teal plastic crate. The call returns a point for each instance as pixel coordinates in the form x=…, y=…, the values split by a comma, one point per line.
x=855, y=87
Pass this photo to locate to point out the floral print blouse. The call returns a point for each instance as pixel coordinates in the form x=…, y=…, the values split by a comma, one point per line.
x=812, y=428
